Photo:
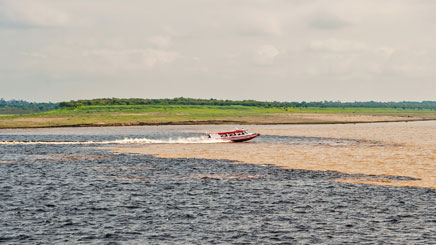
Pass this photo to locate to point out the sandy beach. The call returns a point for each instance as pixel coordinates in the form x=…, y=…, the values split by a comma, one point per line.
x=383, y=149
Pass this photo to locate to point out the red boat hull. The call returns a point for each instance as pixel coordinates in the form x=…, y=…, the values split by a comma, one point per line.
x=241, y=138
x=235, y=136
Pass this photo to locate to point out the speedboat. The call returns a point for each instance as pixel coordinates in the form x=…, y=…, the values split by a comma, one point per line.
x=235, y=136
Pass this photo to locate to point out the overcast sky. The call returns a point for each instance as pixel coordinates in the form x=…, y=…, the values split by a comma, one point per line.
x=284, y=50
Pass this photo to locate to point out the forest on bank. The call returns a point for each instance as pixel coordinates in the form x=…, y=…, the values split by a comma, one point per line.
x=431, y=105
x=24, y=107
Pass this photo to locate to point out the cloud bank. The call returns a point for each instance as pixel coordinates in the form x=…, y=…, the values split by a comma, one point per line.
x=282, y=50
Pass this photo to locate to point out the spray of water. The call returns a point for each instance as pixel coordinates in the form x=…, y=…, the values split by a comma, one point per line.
x=180, y=140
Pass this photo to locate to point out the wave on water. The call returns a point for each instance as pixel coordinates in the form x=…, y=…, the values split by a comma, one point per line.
x=180, y=140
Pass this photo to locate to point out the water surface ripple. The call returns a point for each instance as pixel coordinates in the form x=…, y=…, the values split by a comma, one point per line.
x=76, y=194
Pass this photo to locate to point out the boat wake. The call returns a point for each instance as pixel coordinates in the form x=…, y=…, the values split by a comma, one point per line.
x=180, y=140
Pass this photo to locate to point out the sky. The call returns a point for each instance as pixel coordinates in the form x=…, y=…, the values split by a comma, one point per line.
x=269, y=50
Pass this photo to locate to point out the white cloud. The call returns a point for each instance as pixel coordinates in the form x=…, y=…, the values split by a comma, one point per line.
x=38, y=55
x=337, y=45
x=160, y=41
x=386, y=51
x=133, y=59
x=265, y=55
x=259, y=23
x=33, y=14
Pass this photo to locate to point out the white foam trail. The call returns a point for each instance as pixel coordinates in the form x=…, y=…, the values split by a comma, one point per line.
x=180, y=140
x=189, y=140
x=46, y=142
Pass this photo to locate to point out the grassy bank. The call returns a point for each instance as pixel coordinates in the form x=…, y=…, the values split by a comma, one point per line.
x=108, y=115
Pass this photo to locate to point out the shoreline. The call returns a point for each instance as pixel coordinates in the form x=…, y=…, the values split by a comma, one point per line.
x=215, y=122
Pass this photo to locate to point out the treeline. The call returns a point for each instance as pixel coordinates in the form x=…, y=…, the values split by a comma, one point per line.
x=175, y=101
x=23, y=107
x=189, y=101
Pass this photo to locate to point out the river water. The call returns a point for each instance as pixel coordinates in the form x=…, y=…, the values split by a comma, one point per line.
x=65, y=186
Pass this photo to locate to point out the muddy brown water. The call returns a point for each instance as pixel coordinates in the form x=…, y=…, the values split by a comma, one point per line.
x=396, y=149
x=168, y=185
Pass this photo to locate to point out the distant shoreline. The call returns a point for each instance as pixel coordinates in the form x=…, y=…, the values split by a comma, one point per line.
x=151, y=115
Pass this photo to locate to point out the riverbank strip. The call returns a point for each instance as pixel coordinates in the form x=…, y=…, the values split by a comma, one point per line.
x=98, y=116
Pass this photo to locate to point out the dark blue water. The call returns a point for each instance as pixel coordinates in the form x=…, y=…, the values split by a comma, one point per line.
x=74, y=194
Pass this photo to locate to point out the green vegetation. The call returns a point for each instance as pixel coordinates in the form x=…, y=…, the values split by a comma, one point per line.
x=105, y=115
x=24, y=107
x=214, y=110
x=430, y=105
x=105, y=112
